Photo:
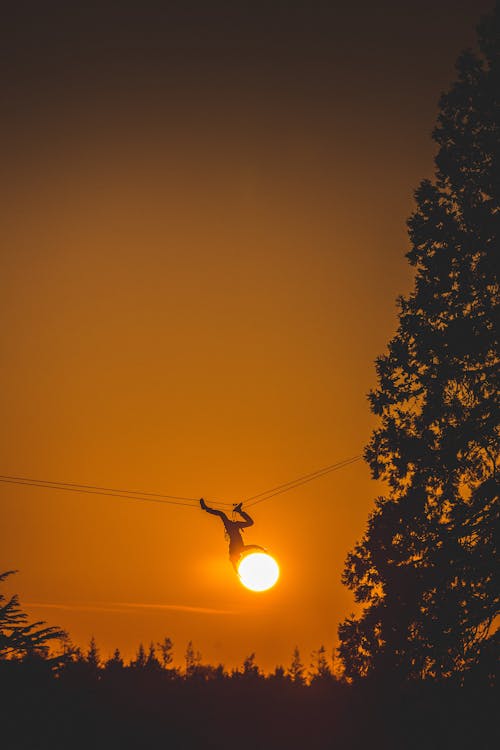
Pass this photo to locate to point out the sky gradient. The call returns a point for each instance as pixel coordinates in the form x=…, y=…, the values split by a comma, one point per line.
x=203, y=237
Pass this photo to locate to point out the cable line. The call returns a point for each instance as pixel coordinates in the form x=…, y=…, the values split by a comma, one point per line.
x=164, y=499
x=89, y=489
x=311, y=475
x=141, y=493
x=282, y=488
x=83, y=491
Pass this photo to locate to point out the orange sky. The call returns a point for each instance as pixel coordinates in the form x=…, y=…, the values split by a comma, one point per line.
x=194, y=289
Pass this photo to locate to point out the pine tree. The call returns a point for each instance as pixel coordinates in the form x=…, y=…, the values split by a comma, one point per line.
x=250, y=668
x=115, y=663
x=193, y=660
x=296, y=669
x=425, y=570
x=140, y=658
x=152, y=662
x=93, y=656
x=166, y=647
x=18, y=638
x=320, y=669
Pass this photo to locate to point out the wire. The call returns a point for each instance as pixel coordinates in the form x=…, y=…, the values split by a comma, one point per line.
x=163, y=499
x=311, y=475
x=97, y=487
x=281, y=488
x=83, y=489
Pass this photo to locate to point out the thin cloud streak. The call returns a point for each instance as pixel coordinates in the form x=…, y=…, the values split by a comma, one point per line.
x=180, y=607
x=126, y=607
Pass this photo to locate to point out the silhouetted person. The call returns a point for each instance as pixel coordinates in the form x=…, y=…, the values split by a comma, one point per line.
x=236, y=546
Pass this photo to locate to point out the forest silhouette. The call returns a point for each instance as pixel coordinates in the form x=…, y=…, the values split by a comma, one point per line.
x=417, y=666
x=63, y=696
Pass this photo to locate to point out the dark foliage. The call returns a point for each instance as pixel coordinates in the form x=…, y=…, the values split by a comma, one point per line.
x=138, y=707
x=18, y=637
x=426, y=570
x=81, y=701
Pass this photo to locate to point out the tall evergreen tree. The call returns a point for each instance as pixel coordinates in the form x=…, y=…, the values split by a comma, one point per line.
x=425, y=570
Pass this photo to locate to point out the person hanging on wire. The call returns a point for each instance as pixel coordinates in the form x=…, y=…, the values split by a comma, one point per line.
x=237, y=548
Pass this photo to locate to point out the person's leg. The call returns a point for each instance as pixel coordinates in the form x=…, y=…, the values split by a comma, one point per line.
x=213, y=511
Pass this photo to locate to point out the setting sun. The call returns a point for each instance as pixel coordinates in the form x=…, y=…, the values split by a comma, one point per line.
x=258, y=571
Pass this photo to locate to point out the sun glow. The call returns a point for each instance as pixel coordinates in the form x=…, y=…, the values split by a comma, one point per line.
x=258, y=571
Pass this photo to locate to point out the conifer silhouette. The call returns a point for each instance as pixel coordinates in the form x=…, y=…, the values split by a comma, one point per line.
x=426, y=569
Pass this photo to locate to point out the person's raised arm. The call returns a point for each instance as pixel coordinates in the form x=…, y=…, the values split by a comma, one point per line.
x=248, y=520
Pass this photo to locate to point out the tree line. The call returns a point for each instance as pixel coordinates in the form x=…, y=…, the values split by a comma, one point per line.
x=52, y=698
x=31, y=642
